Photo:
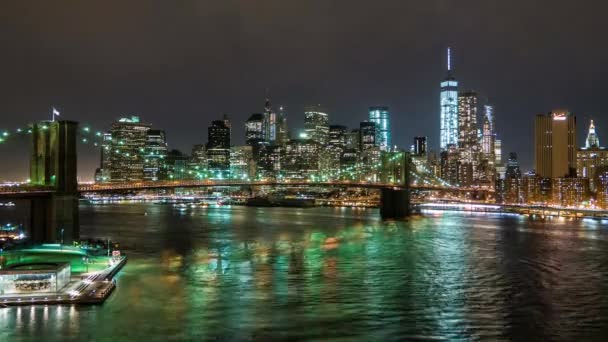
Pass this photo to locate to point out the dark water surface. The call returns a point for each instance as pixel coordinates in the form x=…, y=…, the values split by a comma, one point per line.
x=335, y=274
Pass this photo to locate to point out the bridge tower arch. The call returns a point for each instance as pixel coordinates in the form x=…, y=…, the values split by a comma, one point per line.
x=53, y=164
x=395, y=201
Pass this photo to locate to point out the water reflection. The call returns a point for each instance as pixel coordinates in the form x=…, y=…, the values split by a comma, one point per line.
x=252, y=273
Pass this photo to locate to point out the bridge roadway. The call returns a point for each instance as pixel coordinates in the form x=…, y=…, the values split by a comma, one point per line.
x=34, y=191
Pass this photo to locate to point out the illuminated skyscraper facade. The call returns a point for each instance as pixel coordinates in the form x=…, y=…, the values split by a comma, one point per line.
x=316, y=124
x=448, y=109
x=380, y=115
x=555, y=144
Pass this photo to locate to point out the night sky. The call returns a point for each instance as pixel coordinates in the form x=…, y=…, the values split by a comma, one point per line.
x=181, y=64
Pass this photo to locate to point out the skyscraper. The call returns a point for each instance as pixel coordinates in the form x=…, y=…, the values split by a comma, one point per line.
x=555, y=144
x=155, y=153
x=254, y=129
x=592, y=139
x=488, y=139
x=420, y=146
x=270, y=122
x=218, y=148
x=282, y=129
x=468, y=142
x=591, y=158
x=368, y=135
x=381, y=117
x=129, y=138
x=316, y=124
x=448, y=100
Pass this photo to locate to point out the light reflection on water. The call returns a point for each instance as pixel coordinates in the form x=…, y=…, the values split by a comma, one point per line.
x=267, y=273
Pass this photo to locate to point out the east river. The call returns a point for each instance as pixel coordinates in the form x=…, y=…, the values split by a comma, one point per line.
x=337, y=274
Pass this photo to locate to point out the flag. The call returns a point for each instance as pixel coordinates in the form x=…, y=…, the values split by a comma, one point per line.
x=55, y=112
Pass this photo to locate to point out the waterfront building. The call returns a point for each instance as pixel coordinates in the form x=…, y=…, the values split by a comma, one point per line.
x=535, y=190
x=198, y=161
x=177, y=166
x=555, y=144
x=570, y=191
x=601, y=181
x=269, y=163
x=129, y=137
x=450, y=165
x=155, y=153
x=380, y=115
x=242, y=165
x=349, y=163
x=316, y=124
x=331, y=155
x=591, y=157
x=448, y=100
x=301, y=159
x=34, y=278
x=369, y=164
x=368, y=135
x=218, y=149
x=102, y=174
x=512, y=181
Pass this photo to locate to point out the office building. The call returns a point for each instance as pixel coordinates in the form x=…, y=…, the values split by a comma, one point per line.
x=420, y=146
x=218, y=149
x=555, y=144
x=353, y=139
x=367, y=132
x=129, y=137
x=282, y=129
x=242, y=165
x=254, y=129
x=301, y=159
x=381, y=117
x=177, y=166
x=316, y=124
x=570, y=191
x=448, y=101
x=198, y=161
x=601, y=182
x=591, y=157
x=270, y=122
x=155, y=153
x=450, y=165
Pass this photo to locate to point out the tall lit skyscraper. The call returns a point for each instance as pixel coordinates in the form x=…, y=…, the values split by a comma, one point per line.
x=282, y=130
x=129, y=138
x=270, y=122
x=316, y=124
x=591, y=158
x=381, y=117
x=449, y=108
x=155, y=153
x=218, y=148
x=468, y=141
x=555, y=144
x=368, y=135
x=254, y=129
x=488, y=137
x=592, y=139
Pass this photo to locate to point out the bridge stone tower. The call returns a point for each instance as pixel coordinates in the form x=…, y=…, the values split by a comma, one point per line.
x=53, y=164
x=395, y=202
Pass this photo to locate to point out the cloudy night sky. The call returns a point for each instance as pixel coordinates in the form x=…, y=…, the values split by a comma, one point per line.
x=180, y=64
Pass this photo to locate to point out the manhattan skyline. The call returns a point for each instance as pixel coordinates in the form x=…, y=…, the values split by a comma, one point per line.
x=209, y=59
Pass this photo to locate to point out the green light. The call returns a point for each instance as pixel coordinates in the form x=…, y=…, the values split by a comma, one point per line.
x=86, y=129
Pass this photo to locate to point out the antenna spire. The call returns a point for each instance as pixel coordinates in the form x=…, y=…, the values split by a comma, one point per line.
x=449, y=59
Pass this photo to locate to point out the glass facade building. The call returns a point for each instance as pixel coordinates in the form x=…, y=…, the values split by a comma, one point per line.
x=381, y=117
x=448, y=110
